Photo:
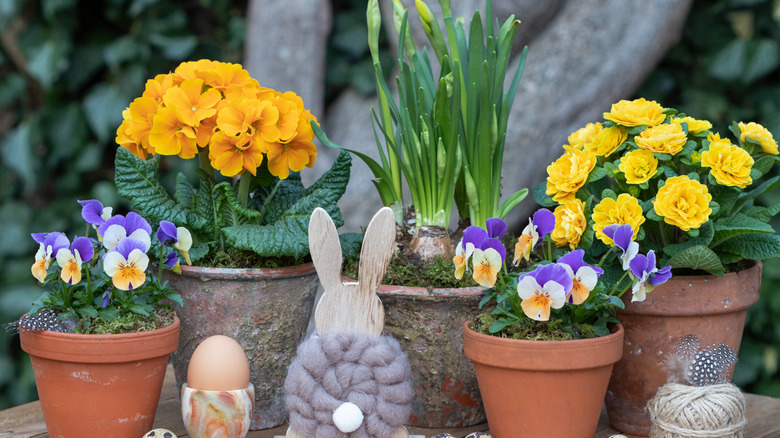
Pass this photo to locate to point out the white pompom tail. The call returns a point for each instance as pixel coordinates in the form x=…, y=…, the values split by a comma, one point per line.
x=348, y=417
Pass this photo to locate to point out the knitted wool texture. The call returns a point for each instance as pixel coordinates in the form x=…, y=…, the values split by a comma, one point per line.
x=369, y=371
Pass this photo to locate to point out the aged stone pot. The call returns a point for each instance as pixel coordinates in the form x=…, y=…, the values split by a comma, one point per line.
x=428, y=325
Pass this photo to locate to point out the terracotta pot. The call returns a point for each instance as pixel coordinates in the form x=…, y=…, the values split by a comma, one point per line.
x=710, y=307
x=428, y=324
x=266, y=311
x=551, y=389
x=99, y=385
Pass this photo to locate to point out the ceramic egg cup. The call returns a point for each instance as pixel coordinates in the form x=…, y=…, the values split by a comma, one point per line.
x=209, y=414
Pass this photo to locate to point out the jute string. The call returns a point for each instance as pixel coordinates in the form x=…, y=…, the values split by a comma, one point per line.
x=681, y=411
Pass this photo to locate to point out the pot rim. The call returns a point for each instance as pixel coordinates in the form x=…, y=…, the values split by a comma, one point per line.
x=418, y=291
x=111, y=348
x=542, y=355
x=248, y=274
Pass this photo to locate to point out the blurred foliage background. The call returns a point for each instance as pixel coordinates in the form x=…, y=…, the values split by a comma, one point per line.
x=68, y=68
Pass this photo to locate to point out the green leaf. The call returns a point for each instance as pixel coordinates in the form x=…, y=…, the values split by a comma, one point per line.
x=16, y=150
x=597, y=174
x=137, y=180
x=184, y=193
x=542, y=198
x=511, y=202
x=103, y=106
x=739, y=224
x=763, y=214
x=88, y=311
x=762, y=166
x=697, y=257
x=744, y=197
x=753, y=246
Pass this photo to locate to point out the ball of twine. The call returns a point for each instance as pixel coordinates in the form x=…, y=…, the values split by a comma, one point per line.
x=680, y=411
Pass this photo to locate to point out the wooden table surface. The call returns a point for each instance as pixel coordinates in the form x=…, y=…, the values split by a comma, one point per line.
x=763, y=415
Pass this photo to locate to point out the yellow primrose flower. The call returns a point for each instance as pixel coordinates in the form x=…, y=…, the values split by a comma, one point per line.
x=568, y=173
x=639, y=112
x=729, y=164
x=759, y=134
x=169, y=136
x=606, y=141
x=694, y=126
x=668, y=138
x=296, y=153
x=192, y=106
x=623, y=210
x=570, y=223
x=683, y=202
x=714, y=137
x=156, y=88
x=638, y=165
x=579, y=138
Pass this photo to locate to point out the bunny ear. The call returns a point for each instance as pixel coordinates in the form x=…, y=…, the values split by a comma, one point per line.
x=325, y=249
x=377, y=250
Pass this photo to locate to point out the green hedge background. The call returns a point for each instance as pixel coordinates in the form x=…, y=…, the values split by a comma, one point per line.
x=68, y=68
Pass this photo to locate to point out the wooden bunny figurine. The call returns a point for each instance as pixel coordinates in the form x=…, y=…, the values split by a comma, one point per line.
x=347, y=380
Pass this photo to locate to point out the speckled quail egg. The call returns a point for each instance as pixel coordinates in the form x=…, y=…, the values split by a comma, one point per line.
x=479, y=435
x=160, y=433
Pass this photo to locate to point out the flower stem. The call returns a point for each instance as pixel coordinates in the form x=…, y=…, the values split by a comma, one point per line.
x=160, y=269
x=604, y=258
x=244, y=182
x=205, y=164
x=614, y=288
x=268, y=199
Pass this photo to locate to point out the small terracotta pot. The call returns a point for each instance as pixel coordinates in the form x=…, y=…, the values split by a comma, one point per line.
x=100, y=385
x=551, y=389
x=712, y=308
x=266, y=311
x=428, y=324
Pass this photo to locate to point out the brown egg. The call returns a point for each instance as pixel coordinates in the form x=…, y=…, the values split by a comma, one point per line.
x=218, y=364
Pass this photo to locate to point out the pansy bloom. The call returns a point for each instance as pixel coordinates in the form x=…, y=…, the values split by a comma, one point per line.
x=178, y=238
x=584, y=277
x=623, y=237
x=126, y=264
x=646, y=275
x=119, y=227
x=488, y=260
x=544, y=288
x=472, y=238
x=71, y=259
x=50, y=244
x=541, y=224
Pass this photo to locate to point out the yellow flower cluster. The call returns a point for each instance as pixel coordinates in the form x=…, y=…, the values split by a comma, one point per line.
x=637, y=144
x=219, y=106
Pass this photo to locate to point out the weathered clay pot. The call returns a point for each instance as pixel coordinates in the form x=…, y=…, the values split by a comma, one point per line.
x=428, y=324
x=551, y=389
x=266, y=311
x=710, y=307
x=99, y=385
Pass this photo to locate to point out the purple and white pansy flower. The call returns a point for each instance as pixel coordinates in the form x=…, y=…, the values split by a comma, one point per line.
x=93, y=212
x=544, y=288
x=71, y=259
x=126, y=264
x=119, y=227
x=584, y=277
x=646, y=276
x=49, y=245
x=178, y=238
x=541, y=224
x=623, y=238
x=484, y=248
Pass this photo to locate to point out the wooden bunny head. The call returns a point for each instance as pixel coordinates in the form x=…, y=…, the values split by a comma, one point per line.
x=351, y=306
